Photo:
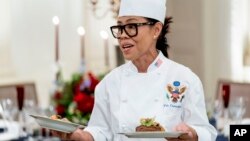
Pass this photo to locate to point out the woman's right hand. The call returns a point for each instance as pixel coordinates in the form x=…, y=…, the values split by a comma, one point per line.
x=77, y=135
x=190, y=136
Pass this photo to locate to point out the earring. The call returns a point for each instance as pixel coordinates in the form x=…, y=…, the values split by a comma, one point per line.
x=155, y=36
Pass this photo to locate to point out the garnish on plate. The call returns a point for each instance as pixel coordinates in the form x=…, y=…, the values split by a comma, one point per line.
x=149, y=124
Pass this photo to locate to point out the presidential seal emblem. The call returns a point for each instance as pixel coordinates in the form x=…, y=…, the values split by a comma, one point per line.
x=175, y=92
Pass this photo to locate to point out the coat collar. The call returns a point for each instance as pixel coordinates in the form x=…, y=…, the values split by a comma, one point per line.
x=153, y=66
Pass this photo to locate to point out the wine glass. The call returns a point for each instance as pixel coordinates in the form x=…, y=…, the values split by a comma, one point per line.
x=237, y=109
x=9, y=109
x=218, y=114
x=2, y=115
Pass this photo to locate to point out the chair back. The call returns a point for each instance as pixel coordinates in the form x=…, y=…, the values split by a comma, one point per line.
x=236, y=89
x=10, y=91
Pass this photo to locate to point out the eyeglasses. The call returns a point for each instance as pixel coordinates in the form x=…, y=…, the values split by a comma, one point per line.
x=130, y=29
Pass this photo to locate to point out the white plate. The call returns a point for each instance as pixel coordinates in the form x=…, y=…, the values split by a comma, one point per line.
x=58, y=125
x=153, y=134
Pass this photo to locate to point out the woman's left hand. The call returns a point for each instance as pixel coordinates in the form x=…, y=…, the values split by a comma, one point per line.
x=190, y=136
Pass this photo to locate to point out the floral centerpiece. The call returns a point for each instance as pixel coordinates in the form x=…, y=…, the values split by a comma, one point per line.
x=75, y=99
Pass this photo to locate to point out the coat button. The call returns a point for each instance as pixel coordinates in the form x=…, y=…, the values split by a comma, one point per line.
x=124, y=128
x=156, y=99
x=127, y=74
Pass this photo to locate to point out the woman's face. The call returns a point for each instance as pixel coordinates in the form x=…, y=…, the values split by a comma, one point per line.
x=141, y=45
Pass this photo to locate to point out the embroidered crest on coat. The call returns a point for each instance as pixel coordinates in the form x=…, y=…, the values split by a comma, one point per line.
x=175, y=92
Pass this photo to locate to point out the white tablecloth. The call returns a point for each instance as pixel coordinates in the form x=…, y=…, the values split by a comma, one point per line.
x=12, y=130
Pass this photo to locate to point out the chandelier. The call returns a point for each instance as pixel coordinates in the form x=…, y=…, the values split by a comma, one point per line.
x=98, y=11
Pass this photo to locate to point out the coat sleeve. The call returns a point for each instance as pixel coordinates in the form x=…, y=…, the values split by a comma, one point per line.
x=98, y=125
x=195, y=103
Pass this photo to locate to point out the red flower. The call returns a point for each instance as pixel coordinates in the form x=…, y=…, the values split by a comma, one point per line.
x=60, y=109
x=94, y=81
x=58, y=95
x=85, y=103
x=77, y=87
x=79, y=97
x=76, y=98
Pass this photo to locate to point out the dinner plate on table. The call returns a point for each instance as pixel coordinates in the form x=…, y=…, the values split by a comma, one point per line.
x=58, y=125
x=153, y=134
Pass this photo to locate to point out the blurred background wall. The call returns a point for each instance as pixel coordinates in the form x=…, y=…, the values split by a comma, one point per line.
x=209, y=36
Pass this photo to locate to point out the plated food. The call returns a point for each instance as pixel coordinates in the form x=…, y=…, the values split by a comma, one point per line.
x=56, y=117
x=149, y=124
x=57, y=123
x=149, y=128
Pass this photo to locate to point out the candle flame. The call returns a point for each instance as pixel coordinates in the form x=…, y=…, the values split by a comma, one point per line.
x=104, y=34
x=81, y=30
x=55, y=20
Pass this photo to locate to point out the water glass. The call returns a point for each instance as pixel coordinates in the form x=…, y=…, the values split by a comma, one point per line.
x=9, y=109
x=237, y=109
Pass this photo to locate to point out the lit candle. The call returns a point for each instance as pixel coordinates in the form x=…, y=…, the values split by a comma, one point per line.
x=104, y=35
x=56, y=23
x=81, y=32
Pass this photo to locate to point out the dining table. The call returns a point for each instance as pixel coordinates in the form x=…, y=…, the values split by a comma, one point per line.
x=9, y=131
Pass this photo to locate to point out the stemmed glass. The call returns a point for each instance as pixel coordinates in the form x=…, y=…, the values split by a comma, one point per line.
x=237, y=109
x=9, y=109
x=20, y=101
x=218, y=114
x=3, y=116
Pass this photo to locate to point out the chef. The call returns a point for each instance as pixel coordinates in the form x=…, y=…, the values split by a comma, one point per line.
x=149, y=85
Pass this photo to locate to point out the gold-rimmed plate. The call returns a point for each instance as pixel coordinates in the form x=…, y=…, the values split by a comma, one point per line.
x=58, y=125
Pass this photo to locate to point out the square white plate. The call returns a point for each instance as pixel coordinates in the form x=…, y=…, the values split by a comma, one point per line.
x=58, y=125
x=153, y=134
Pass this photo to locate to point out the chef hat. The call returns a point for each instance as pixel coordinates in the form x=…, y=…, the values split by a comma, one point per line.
x=155, y=9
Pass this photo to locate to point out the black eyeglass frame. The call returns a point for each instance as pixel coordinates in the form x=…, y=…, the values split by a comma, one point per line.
x=122, y=27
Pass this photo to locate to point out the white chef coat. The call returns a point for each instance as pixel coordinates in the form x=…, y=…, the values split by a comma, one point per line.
x=125, y=96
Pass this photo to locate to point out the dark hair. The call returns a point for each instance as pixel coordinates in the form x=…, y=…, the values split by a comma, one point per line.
x=162, y=43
